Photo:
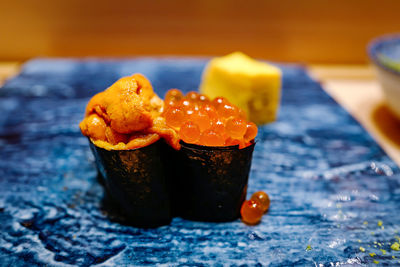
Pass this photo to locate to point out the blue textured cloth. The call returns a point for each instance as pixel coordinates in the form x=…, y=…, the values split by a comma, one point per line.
x=330, y=184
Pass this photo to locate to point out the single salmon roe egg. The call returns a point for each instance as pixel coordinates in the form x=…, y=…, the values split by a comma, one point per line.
x=227, y=110
x=232, y=142
x=173, y=94
x=211, y=138
x=262, y=198
x=189, y=111
x=251, y=132
x=185, y=103
x=170, y=103
x=251, y=212
x=203, y=99
x=236, y=127
x=192, y=95
x=174, y=116
x=219, y=101
x=210, y=110
x=201, y=119
x=218, y=126
x=189, y=132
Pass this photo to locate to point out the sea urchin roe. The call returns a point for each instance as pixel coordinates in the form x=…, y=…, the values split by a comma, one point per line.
x=94, y=126
x=126, y=110
x=262, y=198
x=251, y=212
x=114, y=137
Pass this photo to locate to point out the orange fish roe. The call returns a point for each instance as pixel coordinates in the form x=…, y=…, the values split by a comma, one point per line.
x=251, y=212
x=210, y=110
x=227, y=110
x=203, y=99
x=218, y=126
x=174, y=95
x=219, y=101
x=236, y=127
x=211, y=138
x=262, y=198
x=190, y=132
x=174, y=117
x=194, y=96
x=251, y=132
x=202, y=121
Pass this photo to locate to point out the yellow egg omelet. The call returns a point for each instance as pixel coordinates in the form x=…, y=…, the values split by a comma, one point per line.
x=247, y=83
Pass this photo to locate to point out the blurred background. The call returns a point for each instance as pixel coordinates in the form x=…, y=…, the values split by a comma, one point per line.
x=309, y=31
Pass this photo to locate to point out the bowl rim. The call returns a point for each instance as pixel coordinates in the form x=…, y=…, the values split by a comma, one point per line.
x=373, y=46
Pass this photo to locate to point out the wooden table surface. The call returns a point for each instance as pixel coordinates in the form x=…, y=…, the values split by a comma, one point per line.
x=353, y=86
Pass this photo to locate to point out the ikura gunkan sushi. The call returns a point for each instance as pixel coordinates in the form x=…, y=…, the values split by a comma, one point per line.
x=213, y=164
x=187, y=156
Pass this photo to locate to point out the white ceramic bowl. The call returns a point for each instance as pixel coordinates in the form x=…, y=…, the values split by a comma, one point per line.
x=384, y=54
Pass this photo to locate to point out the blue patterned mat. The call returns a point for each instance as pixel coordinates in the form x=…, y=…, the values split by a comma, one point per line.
x=335, y=194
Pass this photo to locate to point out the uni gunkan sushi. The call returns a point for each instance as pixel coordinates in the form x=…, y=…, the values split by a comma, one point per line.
x=125, y=129
x=186, y=156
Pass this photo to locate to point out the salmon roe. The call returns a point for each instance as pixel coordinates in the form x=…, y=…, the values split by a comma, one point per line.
x=200, y=120
x=190, y=132
x=174, y=116
x=262, y=198
x=251, y=212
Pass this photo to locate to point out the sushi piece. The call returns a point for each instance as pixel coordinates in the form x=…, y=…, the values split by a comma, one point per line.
x=209, y=173
x=126, y=132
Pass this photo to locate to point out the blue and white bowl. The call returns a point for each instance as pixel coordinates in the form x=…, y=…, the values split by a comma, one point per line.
x=384, y=53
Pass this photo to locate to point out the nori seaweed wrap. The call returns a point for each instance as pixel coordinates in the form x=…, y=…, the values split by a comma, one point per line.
x=210, y=182
x=135, y=180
